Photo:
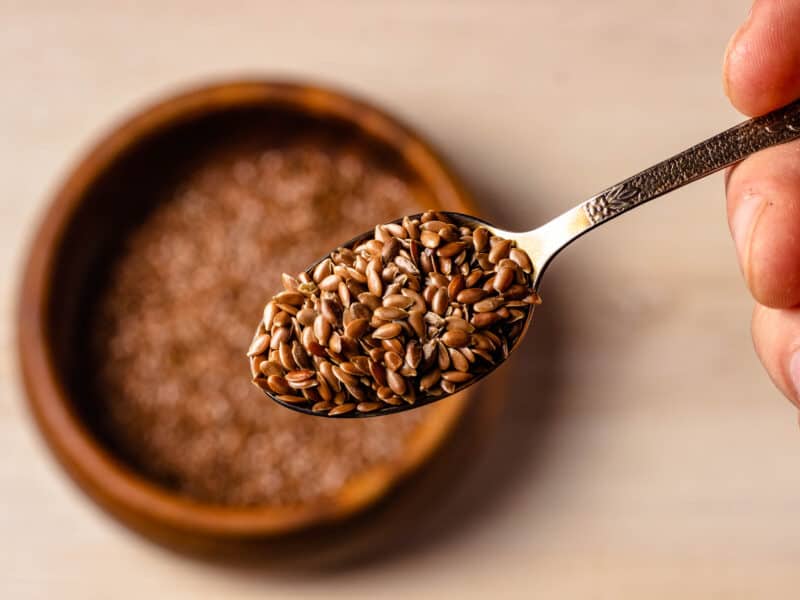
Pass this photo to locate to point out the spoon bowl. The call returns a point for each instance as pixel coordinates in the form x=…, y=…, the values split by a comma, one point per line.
x=527, y=242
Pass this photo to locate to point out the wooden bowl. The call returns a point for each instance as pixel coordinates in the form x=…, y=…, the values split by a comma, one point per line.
x=77, y=229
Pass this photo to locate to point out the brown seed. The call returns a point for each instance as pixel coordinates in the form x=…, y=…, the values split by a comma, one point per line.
x=356, y=275
x=396, y=230
x=457, y=323
x=412, y=227
x=433, y=225
x=389, y=313
x=456, y=376
x=331, y=310
x=377, y=372
x=291, y=298
x=457, y=284
x=499, y=251
x=289, y=282
x=268, y=367
x=458, y=360
x=393, y=400
x=406, y=266
x=322, y=270
x=484, y=354
x=440, y=301
x=430, y=379
x=471, y=295
x=300, y=356
x=323, y=389
x=393, y=345
x=304, y=384
x=357, y=392
x=387, y=331
x=306, y=316
x=269, y=313
x=442, y=356
x=426, y=261
x=286, y=358
x=367, y=407
x=360, y=311
x=474, y=278
x=480, y=239
x=516, y=292
x=290, y=399
x=345, y=378
x=335, y=343
x=417, y=323
x=326, y=370
x=357, y=328
x=376, y=354
x=485, y=319
x=344, y=294
x=449, y=233
x=374, y=282
x=322, y=406
x=370, y=300
x=351, y=369
x=451, y=249
x=397, y=382
x=503, y=279
x=455, y=338
x=430, y=239
x=278, y=384
x=330, y=283
x=342, y=409
x=397, y=301
x=308, y=337
x=413, y=354
x=392, y=360
x=416, y=297
x=322, y=328
x=533, y=298
x=282, y=319
x=390, y=250
x=299, y=375
x=259, y=345
x=384, y=392
x=488, y=305
x=447, y=386
x=521, y=257
x=316, y=349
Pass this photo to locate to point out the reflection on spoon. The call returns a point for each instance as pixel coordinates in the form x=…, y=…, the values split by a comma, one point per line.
x=427, y=305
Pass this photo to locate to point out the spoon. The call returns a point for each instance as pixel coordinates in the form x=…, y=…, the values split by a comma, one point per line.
x=544, y=243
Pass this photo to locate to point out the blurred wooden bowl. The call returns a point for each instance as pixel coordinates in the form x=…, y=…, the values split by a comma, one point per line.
x=79, y=225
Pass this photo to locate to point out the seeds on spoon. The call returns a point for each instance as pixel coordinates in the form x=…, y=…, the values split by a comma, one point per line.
x=417, y=311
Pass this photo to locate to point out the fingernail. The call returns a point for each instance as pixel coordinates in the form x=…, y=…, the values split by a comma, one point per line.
x=743, y=222
x=794, y=373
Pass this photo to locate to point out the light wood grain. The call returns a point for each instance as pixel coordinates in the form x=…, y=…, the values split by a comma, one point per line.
x=666, y=464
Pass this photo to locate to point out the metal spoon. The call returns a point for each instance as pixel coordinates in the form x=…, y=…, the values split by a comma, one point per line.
x=544, y=243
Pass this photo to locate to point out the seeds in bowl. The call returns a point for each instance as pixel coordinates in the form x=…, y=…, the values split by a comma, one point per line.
x=417, y=311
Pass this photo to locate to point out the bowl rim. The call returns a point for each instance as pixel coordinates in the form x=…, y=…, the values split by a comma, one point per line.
x=120, y=490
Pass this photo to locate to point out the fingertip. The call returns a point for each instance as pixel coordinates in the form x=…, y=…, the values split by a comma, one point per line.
x=761, y=69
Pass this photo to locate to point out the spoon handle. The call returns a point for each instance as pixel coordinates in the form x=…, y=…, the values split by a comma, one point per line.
x=729, y=147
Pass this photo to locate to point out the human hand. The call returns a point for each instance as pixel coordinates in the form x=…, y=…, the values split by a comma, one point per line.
x=761, y=73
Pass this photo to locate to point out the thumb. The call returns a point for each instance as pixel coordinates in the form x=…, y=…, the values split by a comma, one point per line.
x=762, y=61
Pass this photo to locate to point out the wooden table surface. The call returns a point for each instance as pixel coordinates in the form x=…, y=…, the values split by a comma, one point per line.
x=666, y=466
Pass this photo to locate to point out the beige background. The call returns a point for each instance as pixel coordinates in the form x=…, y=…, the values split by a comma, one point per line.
x=668, y=465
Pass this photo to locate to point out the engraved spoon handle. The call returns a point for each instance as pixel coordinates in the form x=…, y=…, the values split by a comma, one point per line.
x=729, y=147
x=718, y=152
